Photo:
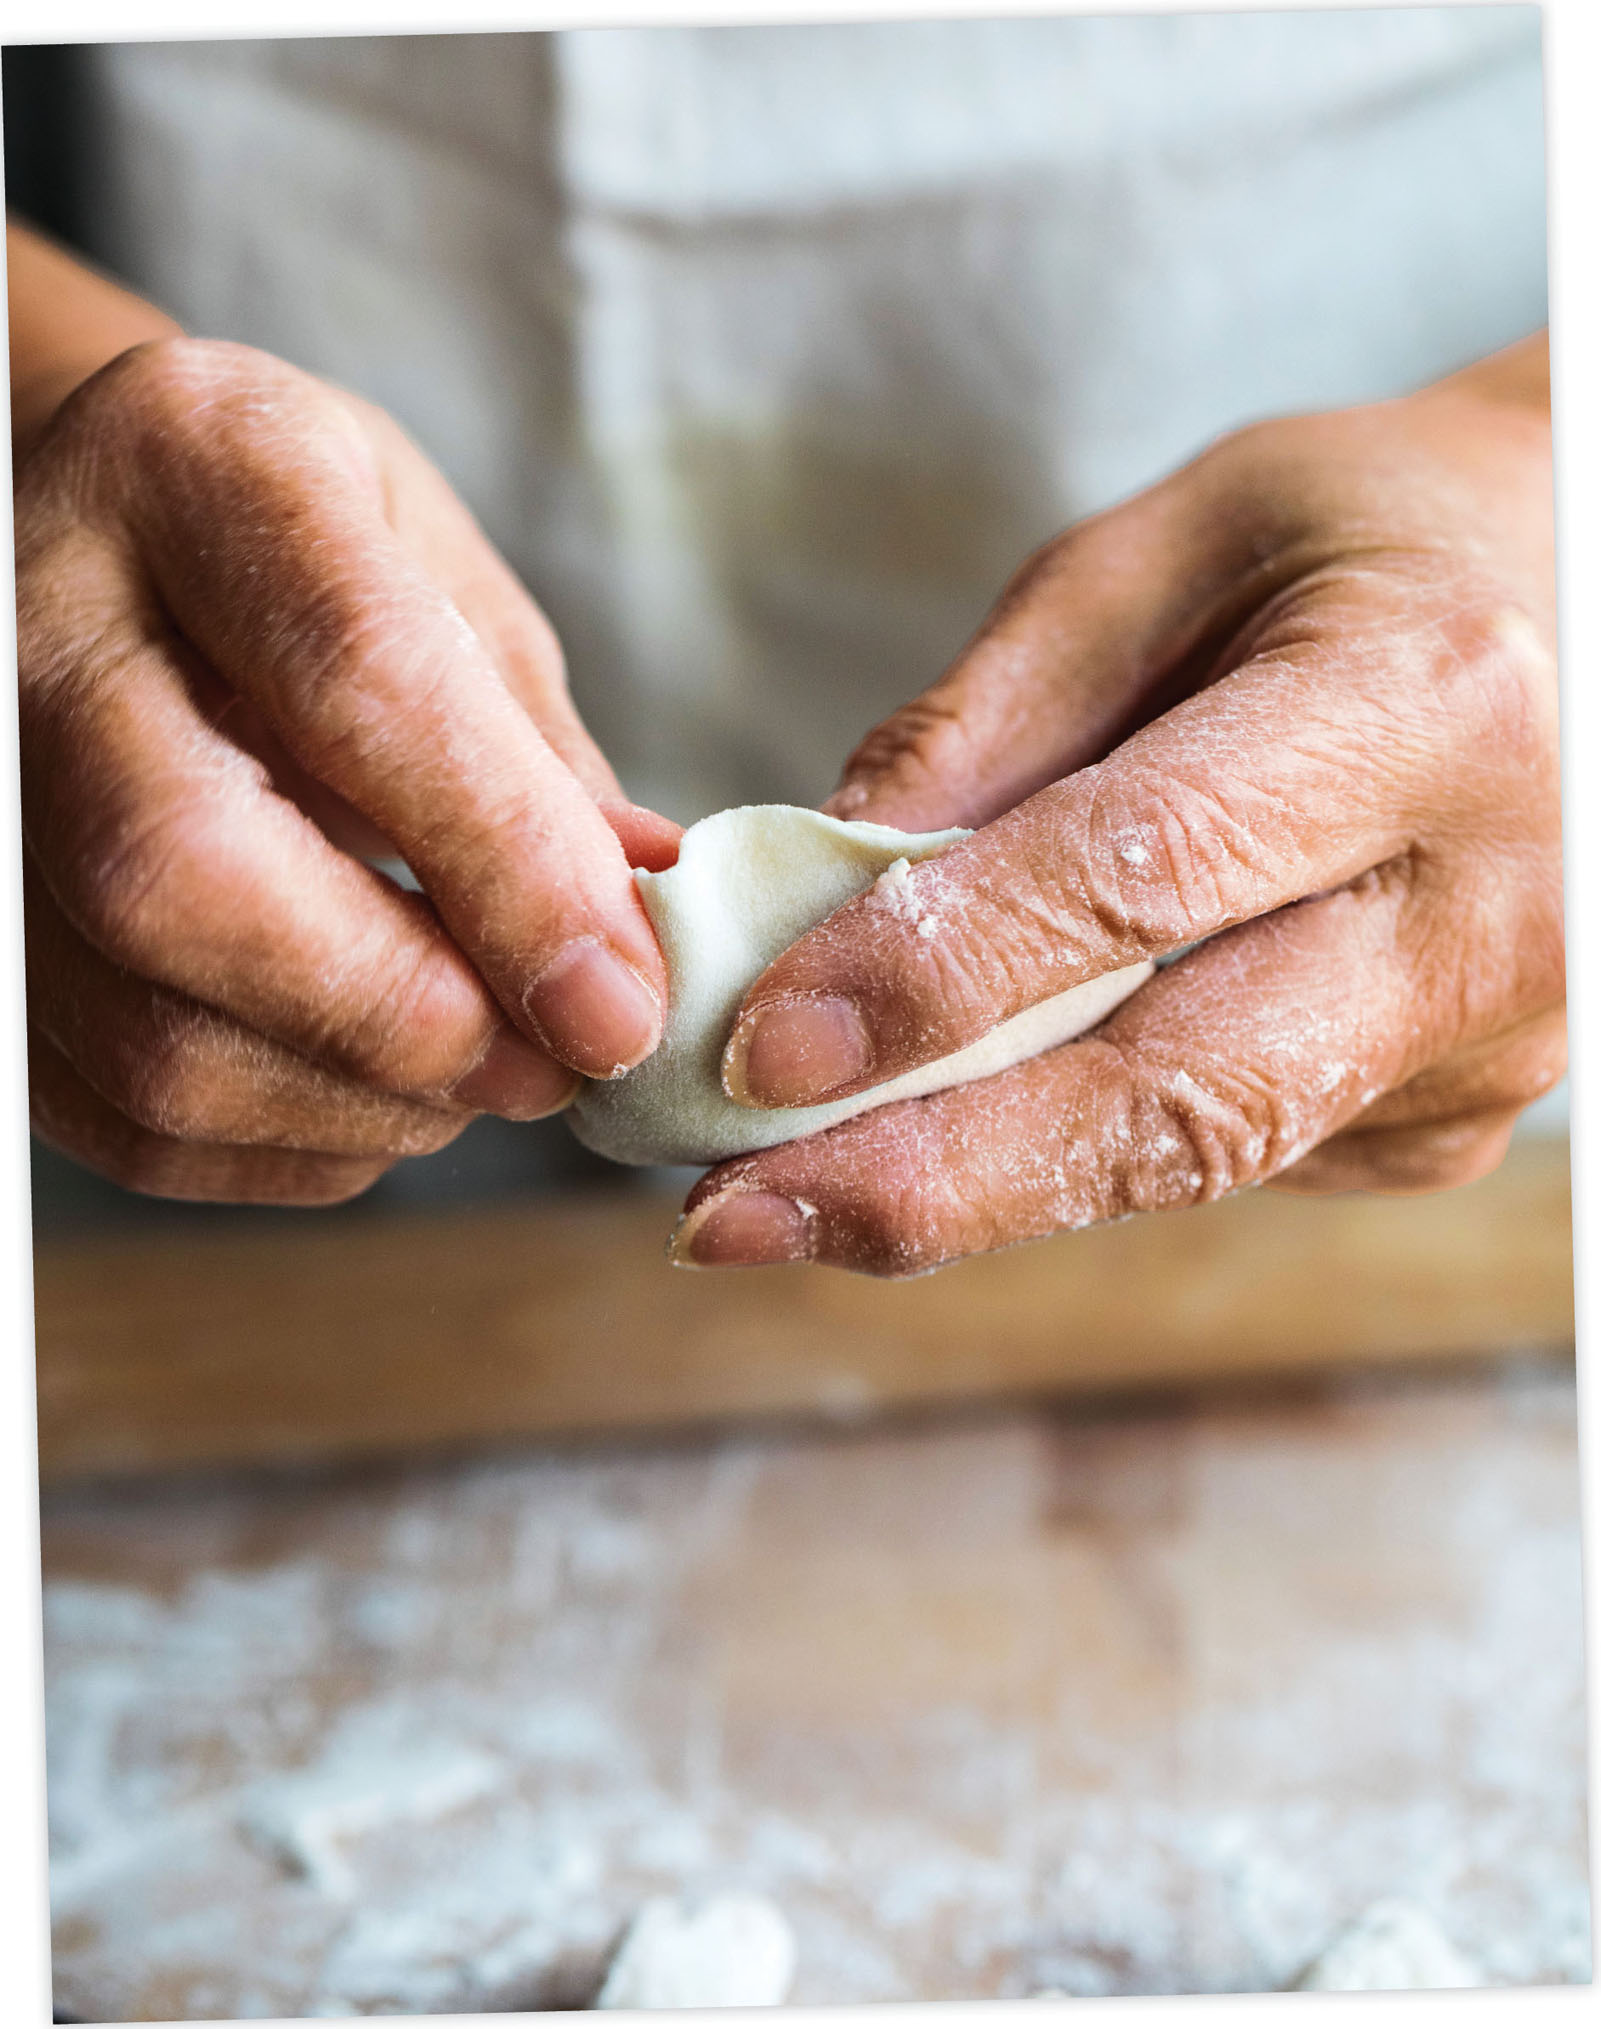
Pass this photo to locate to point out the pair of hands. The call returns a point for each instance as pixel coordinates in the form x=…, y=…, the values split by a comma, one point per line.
x=1301, y=694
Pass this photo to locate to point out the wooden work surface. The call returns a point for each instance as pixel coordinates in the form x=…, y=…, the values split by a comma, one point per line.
x=1134, y=1700
x=561, y=1317
x=1089, y=1685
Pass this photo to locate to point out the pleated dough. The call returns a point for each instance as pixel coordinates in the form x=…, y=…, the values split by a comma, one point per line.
x=748, y=882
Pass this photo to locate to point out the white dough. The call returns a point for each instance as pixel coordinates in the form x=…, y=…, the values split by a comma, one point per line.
x=748, y=882
x=1394, y=1947
x=735, y=1951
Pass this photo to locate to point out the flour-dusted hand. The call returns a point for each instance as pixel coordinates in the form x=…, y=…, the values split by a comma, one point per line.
x=259, y=636
x=1299, y=701
x=746, y=883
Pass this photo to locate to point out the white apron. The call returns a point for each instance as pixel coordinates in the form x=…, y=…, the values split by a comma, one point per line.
x=765, y=354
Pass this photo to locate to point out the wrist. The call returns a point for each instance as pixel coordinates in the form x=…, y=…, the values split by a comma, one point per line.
x=66, y=323
x=1519, y=376
x=36, y=398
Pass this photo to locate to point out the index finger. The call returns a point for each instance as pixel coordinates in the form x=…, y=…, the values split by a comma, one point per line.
x=1224, y=1071
x=270, y=546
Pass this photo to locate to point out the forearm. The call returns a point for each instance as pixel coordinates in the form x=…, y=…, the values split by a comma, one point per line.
x=65, y=323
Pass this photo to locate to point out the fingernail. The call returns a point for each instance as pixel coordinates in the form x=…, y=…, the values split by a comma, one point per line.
x=796, y=1053
x=743, y=1229
x=517, y=1080
x=594, y=1010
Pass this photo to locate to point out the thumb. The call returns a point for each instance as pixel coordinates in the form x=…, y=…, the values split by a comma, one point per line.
x=1098, y=632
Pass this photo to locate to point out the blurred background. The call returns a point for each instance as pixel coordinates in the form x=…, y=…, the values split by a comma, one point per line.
x=432, y=1581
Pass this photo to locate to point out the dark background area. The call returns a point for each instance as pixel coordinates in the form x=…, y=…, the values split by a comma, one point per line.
x=49, y=138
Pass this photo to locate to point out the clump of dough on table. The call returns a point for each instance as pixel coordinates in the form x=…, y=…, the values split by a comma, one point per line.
x=1394, y=1947
x=747, y=883
x=733, y=1951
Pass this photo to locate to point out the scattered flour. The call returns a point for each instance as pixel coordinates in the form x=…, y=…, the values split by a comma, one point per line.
x=436, y=1750
x=375, y=1772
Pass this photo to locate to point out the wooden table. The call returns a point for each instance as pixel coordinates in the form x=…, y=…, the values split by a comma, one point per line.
x=1078, y=1688
x=1133, y=1702
x=561, y=1317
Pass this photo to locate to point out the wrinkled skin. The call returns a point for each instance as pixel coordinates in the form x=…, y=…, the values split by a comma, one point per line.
x=1298, y=700
x=258, y=635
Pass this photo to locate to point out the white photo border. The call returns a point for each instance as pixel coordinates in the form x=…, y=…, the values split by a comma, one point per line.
x=1573, y=71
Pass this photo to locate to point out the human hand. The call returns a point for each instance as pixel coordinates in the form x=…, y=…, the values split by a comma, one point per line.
x=1298, y=700
x=257, y=635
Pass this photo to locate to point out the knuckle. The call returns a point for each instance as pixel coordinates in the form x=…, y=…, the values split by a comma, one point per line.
x=918, y=1211
x=892, y=1236
x=72, y=610
x=887, y=1205
x=1254, y=453
x=362, y=653
x=188, y=429
x=1495, y=684
x=374, y=1038
x=1039, y=575
x=1038, y=568
x=965, y=949
x=340, y=632
x=931, y=973
x=929, y=738
x=1165, y=857
x=136, y=424
x=154, y=402
x=1253, y=439
x=171, y=387
x=947, y=990
x=178, y=1070
x=165, y=378
x=1190, y=1142
x=406, y=1022
x=1307, y=1179
x=167, y=1084
x=133, y=896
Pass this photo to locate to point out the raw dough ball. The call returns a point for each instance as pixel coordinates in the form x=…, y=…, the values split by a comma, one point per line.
x=1394, y=1947
x=735, y=1951
x=749, y=882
